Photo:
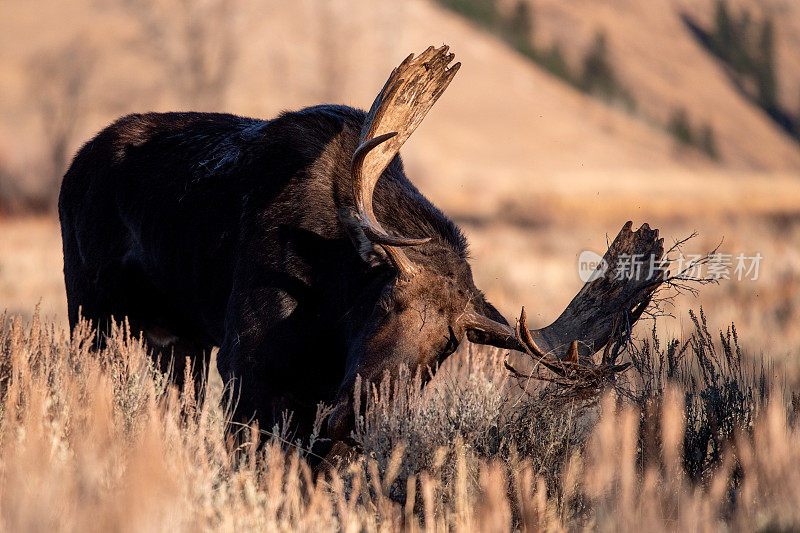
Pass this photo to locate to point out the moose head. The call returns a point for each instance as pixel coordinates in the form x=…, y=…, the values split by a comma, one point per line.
x=429, y=302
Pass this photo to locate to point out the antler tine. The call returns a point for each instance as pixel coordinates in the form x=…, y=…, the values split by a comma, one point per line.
x=593, y=320
x=570, y=360
x=524, y=334
x=409, y=93
x=525, y=338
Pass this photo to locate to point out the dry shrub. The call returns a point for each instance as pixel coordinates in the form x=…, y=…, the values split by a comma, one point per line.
x=471, y=413
x=98, y=441
x=722, y=389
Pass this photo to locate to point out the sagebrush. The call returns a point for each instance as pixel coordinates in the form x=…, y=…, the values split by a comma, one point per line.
x=100, y=440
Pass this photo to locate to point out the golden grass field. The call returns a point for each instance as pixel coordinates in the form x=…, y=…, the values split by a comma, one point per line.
x=97, y=442
x=535, y=172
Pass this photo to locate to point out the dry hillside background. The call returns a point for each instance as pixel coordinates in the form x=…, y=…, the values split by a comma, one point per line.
x=533, y=167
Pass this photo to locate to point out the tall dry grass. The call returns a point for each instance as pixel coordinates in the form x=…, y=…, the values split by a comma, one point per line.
x=102, y=441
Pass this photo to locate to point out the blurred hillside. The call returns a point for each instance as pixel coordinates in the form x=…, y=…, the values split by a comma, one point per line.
x=505, y=116
x=656, y=52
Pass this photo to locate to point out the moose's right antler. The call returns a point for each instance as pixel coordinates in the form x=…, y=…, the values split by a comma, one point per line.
x=606, y=307
x=411, y=90
x=569, y=368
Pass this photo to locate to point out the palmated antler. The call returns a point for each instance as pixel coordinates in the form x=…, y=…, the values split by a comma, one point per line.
x=620, y=288
x=600, y=316
x=411, y=90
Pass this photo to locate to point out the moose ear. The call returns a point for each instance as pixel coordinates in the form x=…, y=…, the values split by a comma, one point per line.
x=371, y=253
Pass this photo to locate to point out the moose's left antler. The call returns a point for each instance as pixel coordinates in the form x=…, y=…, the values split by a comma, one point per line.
x=409, y=93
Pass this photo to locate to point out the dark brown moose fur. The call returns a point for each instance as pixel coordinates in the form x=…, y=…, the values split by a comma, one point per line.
x=214, y=230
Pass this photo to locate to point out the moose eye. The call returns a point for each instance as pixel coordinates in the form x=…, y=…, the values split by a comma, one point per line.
x=452, y=343
x=386, y=301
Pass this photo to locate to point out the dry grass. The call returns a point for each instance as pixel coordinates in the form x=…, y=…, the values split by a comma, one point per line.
x=94, y=441
x=31, y=267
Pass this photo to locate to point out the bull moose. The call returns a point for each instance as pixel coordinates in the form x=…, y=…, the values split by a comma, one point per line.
x=301, y=249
